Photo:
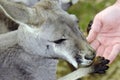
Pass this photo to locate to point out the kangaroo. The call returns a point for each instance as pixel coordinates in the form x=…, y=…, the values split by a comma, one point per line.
x=45, y=34
x=65, y=4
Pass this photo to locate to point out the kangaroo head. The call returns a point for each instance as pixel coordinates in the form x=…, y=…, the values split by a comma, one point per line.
x=49, y=31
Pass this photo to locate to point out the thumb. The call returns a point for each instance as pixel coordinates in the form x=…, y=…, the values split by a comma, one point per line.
x=95, y=29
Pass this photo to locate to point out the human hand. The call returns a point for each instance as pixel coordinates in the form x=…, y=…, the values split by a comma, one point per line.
x=104, y=35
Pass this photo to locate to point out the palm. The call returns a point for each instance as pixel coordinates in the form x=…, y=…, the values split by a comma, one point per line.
x=105, y=33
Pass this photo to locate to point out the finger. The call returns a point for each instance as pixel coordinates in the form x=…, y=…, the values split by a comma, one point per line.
x=92, y=35
x=114, y=53
x=107, y=52
x=95, y=44
x=100, y=50
x=95, y=29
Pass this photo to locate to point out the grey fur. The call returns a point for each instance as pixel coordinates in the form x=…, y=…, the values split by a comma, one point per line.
x=16, y=64
x=6, y=24
x=64, y=4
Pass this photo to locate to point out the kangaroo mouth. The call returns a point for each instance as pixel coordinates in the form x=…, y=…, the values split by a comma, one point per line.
x=79, y=60
x=85, y=63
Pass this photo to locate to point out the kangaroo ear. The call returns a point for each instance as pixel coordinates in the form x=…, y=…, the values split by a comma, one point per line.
x=15, y=11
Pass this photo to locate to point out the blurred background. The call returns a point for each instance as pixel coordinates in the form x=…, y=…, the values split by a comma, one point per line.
x=85, y=10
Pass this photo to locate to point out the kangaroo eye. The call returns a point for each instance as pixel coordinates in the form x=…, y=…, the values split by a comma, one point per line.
x=59, y=41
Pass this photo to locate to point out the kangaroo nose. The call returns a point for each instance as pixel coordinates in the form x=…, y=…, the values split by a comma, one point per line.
x=90, y=57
